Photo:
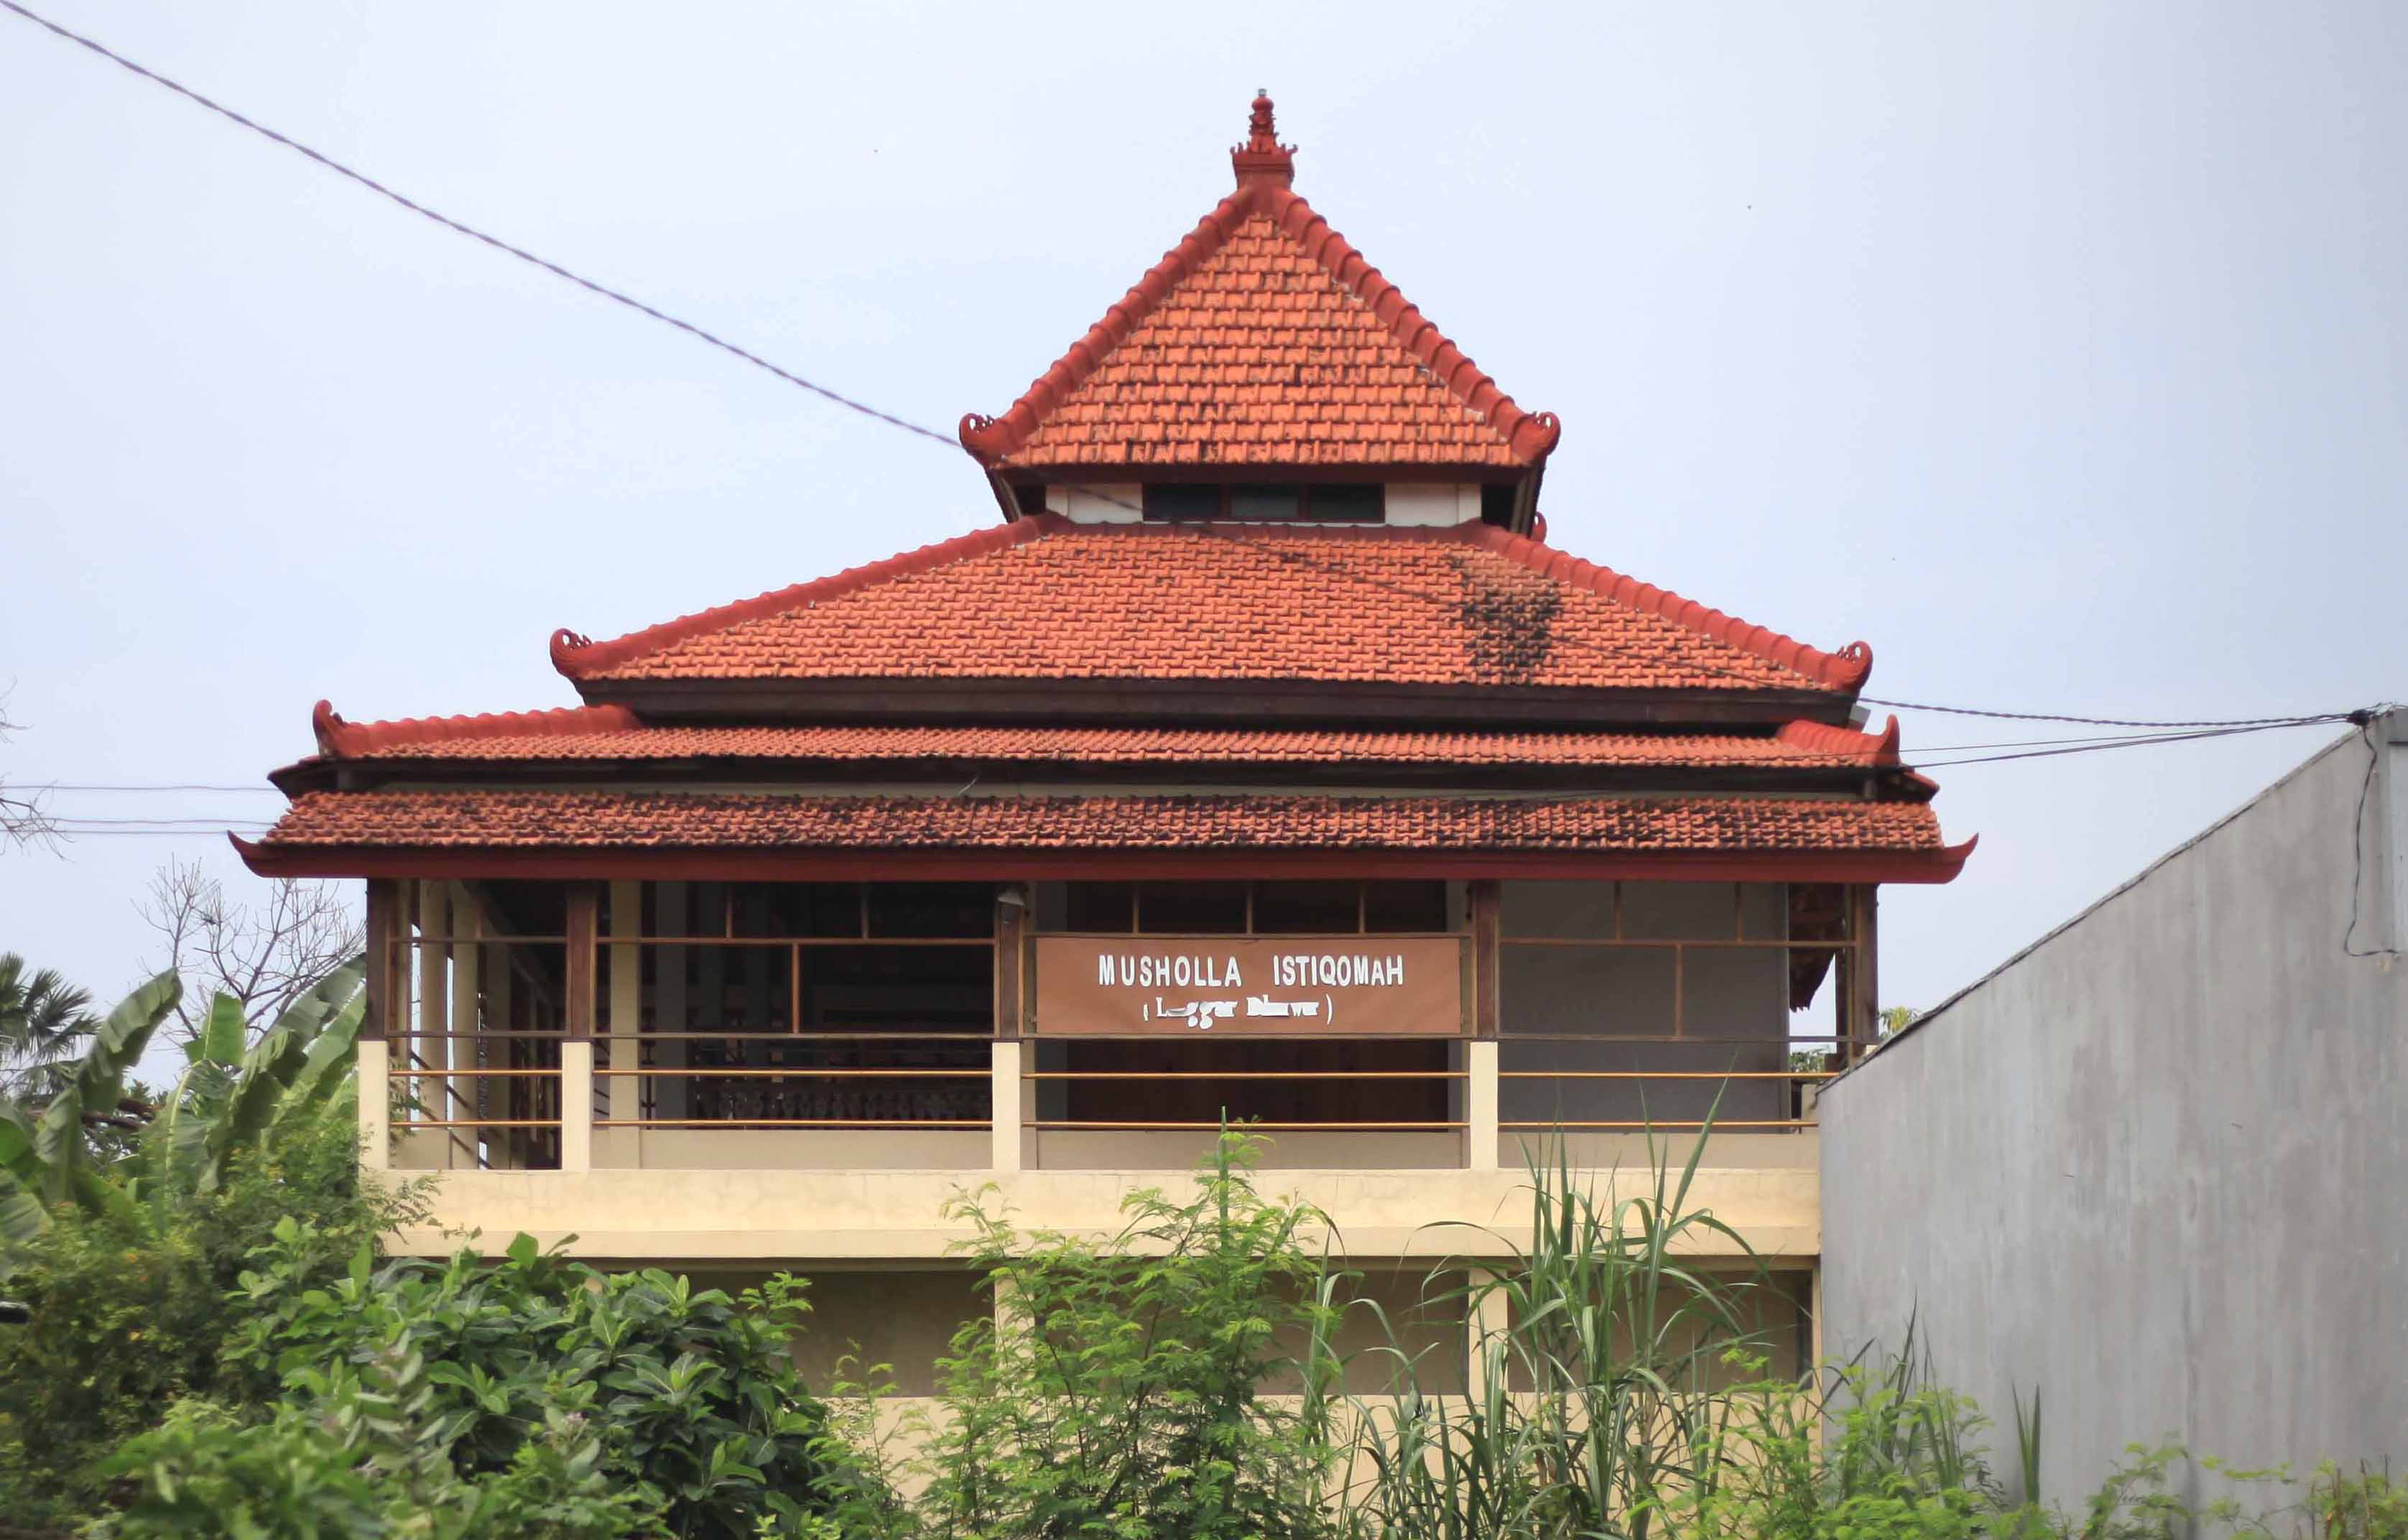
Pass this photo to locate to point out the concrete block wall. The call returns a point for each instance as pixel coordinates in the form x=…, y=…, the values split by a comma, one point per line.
x=2157, y=1163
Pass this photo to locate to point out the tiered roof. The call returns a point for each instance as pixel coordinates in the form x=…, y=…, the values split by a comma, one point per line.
x=1045, y=697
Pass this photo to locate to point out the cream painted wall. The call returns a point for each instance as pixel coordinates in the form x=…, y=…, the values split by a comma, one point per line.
x=1427, y=504
x=1765, y=1187
x=1117, y=502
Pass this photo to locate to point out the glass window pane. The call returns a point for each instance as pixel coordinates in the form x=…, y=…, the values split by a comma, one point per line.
x=1264, y=502
x=1180, y=909
x=1183, y=500
x=1405, y=906
x=1347, y=503
x=1305, y=908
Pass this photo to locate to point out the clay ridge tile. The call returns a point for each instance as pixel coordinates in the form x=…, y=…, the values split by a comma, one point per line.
x=578, y=657
x=1823, y=737
x=1847, y=669
x=341, y=740
x=1800, y=745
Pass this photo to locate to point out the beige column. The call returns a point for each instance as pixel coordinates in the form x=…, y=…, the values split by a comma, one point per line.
x=577, y=1105
x=1009, y=1113
x=461, y=1100
x=623, y=1094
x=1480, y=1104
x=375, y=1084
x=430, y=1047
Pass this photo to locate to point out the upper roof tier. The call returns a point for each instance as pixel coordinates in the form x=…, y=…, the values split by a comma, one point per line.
x=1262, y=340
x=1467, y=607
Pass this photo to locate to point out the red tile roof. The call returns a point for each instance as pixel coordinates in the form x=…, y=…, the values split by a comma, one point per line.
x=1263, y=338
x=1044, y=598
x=555, y=820
x=610, y=732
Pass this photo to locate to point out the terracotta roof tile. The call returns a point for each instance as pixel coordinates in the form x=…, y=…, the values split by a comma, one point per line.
x=550, y=819
x=1800, y=745
x=1044, y=598
x=1263, y=338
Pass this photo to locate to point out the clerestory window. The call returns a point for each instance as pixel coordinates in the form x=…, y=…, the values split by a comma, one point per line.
x=1267, y=502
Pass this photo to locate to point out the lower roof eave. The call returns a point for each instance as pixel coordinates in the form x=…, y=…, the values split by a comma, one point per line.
x=925, y=864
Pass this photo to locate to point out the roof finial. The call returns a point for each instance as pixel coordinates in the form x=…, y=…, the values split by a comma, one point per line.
x=1262, y=158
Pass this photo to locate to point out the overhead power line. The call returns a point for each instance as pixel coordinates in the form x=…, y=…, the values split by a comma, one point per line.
x=146, y=786
x=2156, y=730
x=339, y=168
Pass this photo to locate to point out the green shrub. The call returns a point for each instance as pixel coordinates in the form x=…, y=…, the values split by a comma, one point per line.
x=355, y=1468
x=131, y=1306
x=684, y=1401
x=1122, y=1395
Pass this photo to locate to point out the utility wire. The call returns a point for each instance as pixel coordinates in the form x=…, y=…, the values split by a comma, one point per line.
x=339, y=169
x=921, y=431
x=144, y=786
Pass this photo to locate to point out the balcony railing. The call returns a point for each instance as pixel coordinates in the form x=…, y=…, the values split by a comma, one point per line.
x=519, y=1051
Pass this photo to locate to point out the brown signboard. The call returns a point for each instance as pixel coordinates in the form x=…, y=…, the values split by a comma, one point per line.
x=1249, y=985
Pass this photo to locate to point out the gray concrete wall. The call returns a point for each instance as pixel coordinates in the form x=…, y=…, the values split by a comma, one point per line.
x=2159, y=1163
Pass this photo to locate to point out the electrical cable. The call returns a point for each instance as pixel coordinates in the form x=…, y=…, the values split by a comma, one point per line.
x=603, y=290
x=139, y=786
x=2357, y=849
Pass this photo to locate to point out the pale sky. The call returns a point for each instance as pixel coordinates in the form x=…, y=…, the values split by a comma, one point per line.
x=2057, y=351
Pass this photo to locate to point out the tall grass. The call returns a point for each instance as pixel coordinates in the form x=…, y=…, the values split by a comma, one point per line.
x=1619, y=1391
x=1592, y=1399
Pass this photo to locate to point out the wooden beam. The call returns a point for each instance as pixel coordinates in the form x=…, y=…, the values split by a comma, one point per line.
x=1190, y=701
x=1011, y=929
x=585, y=911
x=385, y=924
x=1864, y=917
x=1486, y=996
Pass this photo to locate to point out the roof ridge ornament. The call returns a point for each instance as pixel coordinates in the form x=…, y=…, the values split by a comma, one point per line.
x=1262, y=160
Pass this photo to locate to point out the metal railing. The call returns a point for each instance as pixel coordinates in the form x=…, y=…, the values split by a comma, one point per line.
x=800, y=1080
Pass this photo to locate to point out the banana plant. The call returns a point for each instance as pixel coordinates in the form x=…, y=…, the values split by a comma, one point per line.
x=230, y=1096
x=43, y=1160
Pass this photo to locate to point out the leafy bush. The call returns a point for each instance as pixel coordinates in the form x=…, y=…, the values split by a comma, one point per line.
x=131, y=1306
x=683, y=1402
x=355, y=1466
x=1121, y=1394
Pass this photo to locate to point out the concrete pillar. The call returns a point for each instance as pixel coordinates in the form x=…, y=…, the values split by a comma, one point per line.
x=1479, y=1132
x=460, y=1096
x=577, y=1105
x=434, y=1015
x=375, y=1083
x=669, y=901
x=623, y=1094
x=1008, y=1114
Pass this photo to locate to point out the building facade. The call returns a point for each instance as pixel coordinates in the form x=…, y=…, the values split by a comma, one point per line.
x=1260, y=760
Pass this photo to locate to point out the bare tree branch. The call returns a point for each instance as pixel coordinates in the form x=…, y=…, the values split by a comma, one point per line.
x=24, y=819
x=265, y=956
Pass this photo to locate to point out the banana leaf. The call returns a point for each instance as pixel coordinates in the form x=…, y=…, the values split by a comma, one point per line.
x=272, y=1067
x=99, y=1082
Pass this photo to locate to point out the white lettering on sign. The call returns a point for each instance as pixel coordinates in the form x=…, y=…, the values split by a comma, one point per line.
x=1308, y=984
x=1151, y=971
x=1293, y=970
